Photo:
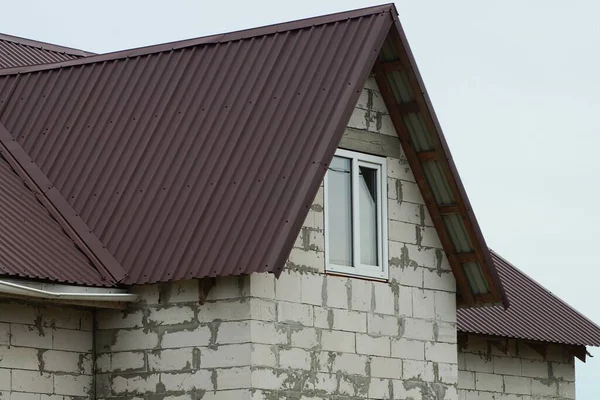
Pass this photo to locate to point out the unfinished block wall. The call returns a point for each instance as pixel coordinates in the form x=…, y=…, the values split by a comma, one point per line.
x=45, y=352
x=336, y=337
x=511, y=370
x=307, y=335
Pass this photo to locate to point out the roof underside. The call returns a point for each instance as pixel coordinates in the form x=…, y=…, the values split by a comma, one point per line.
x=17, y=52
x=534, y=313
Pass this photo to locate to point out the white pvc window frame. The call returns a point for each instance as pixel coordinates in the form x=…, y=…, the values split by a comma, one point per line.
x=358, y=269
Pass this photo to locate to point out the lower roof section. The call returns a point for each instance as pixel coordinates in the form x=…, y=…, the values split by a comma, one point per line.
x=534, y=313
x=32, y=243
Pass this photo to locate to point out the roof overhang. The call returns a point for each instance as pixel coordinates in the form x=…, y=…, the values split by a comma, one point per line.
x=423, y=142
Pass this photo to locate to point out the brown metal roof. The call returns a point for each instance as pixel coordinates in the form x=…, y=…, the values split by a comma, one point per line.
x=16, y=52
x=200, y=158
x=30, y=237
x=534, y=313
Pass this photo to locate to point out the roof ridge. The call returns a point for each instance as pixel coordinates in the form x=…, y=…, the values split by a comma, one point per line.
x=535, y=282
x=55, y=48
x=74, y=226
x=203, y=40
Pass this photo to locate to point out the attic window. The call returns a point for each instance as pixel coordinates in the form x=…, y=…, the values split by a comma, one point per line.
x=355, y=215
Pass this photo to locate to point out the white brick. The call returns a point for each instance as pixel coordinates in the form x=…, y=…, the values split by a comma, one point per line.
x=411, y=192
x=199, y=336
x=262, y=285
x=441, y=352
x=386, y=368
x=307, y=259
x=170, y=359
x=404, y=212
x=383, y=325
x=66, y=339
x=423, y=303
x=72, y=385
x=18, y=357
x=234, y=332
x=263, y=310
x=264, y=355
x=344, y=320
x=543, y=387
x=417, y=370
x=267, y=333
x=31, y=336
x=403, y=232
x=135, y=339
x=337, y=292
x=266, y=378
x=429, y=237
x=226, y=288
x=384, y=299
x=517, y=385
x=186, y=291
x=288, y=288
x=379, y=389
x=16, y=313
x=439, y=280
x=171, y=315
x=22, y=396
x=124, y=361
x=566, y=389
x=113, y=319
x=466, y=380
x=405, y=301
x=186, y=381
x=348, y=363
x=338, y=341
x=295, y=313
x=4, y=379
x=563, y=371
x=4, y=333
x=312, y=289
x=446, y=332
x=295, y=359
x=232, y=310
x=31, y=381
x=478, y=363
x=377, y=346
x=136, y=384
x=419, y=329
x=534, y=368
x=61, y=361
x=362, y=293
x=398, y=168
x=233, y=378
x=323, y=318
x=234, y=355
x=445, y=306
x=507, y=365
x=408, y=349
x=305, y=338
x=488, y=382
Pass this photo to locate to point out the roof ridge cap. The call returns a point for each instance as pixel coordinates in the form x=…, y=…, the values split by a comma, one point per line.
x=535, y=282
x=204, y=40
x=55, y=48
x=74, y=226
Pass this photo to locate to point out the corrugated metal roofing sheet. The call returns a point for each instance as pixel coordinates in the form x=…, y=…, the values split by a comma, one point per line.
x=30, y=237
x=17, y=52
x=534, y=313
x=200, y=158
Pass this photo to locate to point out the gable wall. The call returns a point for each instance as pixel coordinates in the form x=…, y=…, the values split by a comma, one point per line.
x=45, y=351
x=519, y=373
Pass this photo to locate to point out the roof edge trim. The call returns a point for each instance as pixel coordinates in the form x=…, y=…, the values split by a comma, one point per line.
x=45, y=46
x=108, y=267
x=212, y=39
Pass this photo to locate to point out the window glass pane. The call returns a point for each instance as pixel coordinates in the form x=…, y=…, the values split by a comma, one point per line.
x=367, y=202
x=339, y=224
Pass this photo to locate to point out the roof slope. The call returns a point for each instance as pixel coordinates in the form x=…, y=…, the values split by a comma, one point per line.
x=534, y=313
x=30, y=237
x=16, y=52
x=200, y=158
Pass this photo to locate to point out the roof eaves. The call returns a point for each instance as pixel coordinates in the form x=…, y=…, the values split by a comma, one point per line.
x=108, y=267
x=415, y=102
x=45, y=46
x=212, y=39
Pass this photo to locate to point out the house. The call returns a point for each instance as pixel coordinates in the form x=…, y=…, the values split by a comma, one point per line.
x=265, y=214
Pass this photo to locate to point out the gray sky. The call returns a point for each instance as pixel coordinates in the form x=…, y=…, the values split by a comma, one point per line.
x=515, y=85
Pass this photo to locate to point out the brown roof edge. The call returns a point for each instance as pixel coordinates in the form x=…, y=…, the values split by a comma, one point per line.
x=476, y=230
x=45, y=46
x=212, y=39
x=59, y=208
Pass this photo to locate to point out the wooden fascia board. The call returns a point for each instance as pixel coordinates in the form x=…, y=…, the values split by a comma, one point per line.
x=443, y=156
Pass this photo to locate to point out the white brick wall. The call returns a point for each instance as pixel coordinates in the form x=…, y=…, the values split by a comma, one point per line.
x=45, y=351
x=486, y=372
